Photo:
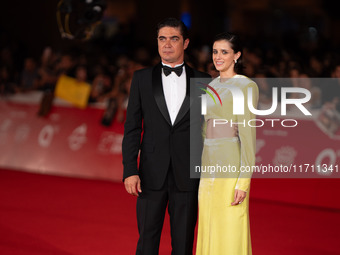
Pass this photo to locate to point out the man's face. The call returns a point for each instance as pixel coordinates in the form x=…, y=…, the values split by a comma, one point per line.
x=171, y=45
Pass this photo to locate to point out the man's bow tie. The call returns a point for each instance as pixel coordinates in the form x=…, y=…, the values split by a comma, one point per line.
x=178, y=70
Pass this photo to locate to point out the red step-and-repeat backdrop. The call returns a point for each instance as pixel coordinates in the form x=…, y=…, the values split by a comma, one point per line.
x=68, y=141
x=73, y=142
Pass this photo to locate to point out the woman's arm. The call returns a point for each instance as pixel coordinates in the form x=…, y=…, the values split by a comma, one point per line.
x=247, y=135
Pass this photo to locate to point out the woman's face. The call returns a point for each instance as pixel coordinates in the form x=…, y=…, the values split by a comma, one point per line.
x=224, y=56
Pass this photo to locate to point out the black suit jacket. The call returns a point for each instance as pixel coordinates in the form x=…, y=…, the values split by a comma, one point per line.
x=148, y=128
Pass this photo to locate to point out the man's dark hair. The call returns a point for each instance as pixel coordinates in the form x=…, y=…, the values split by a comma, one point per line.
x=173, y=22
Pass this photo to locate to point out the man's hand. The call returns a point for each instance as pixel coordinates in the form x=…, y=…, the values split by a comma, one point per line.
x=132, y=185
x=239, y=196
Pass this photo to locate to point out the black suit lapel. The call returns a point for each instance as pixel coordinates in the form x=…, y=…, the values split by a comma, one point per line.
x=158, y=92
x=188, y=99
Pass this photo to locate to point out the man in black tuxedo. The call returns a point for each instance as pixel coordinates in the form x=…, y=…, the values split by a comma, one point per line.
x=158, y=112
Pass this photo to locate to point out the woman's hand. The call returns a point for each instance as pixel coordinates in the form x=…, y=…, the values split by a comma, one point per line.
x=239, y=196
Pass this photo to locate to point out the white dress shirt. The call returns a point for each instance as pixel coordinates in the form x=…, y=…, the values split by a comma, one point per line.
x=174, y=88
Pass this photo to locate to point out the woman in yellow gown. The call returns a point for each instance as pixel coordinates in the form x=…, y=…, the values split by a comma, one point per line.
x=223, y=226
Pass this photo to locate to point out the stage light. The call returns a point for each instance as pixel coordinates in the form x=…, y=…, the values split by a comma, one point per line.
x=78, y=18
x=93, y=11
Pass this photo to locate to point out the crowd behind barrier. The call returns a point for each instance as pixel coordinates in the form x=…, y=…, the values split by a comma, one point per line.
x=109, y=70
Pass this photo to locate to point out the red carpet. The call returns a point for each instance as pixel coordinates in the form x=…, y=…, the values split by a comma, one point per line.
x=42, y=214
